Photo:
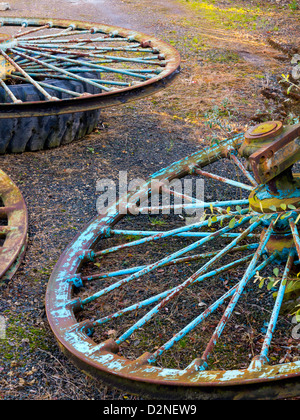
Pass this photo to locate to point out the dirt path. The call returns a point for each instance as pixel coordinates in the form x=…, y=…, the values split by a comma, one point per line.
x=114, y=12
x=228, y=68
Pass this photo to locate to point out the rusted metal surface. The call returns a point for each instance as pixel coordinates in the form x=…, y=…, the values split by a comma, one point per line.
x=274, y=158
x=260, y=136
x=13, y=215
x=225, y=180
x=104, y=360
x=168, y=62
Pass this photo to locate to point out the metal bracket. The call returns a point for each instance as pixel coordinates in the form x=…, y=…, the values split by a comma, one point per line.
x=274, y=158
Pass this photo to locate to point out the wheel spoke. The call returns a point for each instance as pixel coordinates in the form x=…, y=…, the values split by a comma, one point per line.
x=195, y=206
x=59, y=70
x=79, y=280
x=164, y=235
x=167, y=259
x=197, y=321
x=180, y=235
x=222, y=179
x=9, y=92
x=186, y=284
x=229, y=310
x=243, y=169
x=76, y=50
x=160, y=296
x=29, y=78
x=67, y=32
x=77, y=62
x=263, y=357
x=53, y=87
x=295, y=234
x=41, y=28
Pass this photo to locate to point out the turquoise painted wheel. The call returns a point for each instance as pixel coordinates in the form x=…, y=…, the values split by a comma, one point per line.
x=123, y=65
x=156, y=302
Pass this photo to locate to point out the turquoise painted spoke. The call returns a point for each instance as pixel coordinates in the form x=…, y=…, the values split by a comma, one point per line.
x=163, y=261
x=162, y=295
x=187, y=283
x=252, y=268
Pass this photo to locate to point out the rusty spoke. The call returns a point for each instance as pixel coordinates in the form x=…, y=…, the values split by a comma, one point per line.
x=76, y=50
x=27, y=77
x=60, y=70
x=198, y=276
x=20, y=35
x=243, y=169
x=222, y=179
x=180, y=231
x=251, y=270
x=67, y=32
x=9, y=92
x=77, y=62
x=162, y=262
x=163, y=295
x=176, y=261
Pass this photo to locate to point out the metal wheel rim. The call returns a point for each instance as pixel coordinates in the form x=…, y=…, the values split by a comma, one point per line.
x=103, y=362
x=15, y=233
x=144, y=88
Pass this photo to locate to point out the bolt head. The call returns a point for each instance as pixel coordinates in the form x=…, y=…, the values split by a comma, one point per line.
x=264, y=131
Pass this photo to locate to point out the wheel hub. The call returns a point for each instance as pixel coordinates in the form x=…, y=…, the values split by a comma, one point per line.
x=280, y=193
x=260, y=136
x=6, y=41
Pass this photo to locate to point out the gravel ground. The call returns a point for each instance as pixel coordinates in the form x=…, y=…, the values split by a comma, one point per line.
x=60, y=185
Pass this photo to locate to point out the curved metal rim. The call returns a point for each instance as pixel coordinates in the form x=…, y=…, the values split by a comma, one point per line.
x=16, y=238
x=86, y=353
x=102, y=100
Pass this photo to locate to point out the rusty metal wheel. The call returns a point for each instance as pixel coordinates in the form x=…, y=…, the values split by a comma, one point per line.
x=55, y=75
x=170, y=309
x=13, y=227
x=131, y=64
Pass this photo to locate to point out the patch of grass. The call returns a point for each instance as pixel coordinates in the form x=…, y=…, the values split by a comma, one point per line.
x=19, y=334
x=228, y=17
x=156, y=221
x=294, y=5
x=223, y=56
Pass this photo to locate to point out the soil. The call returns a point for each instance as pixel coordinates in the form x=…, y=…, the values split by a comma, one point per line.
x=231, y=68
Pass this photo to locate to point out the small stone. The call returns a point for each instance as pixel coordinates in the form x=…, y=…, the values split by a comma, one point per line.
x=4, y=6
x=295, y=59
x=296, y=72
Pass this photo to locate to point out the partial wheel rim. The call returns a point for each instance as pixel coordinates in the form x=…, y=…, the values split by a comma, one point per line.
x=13, y=229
